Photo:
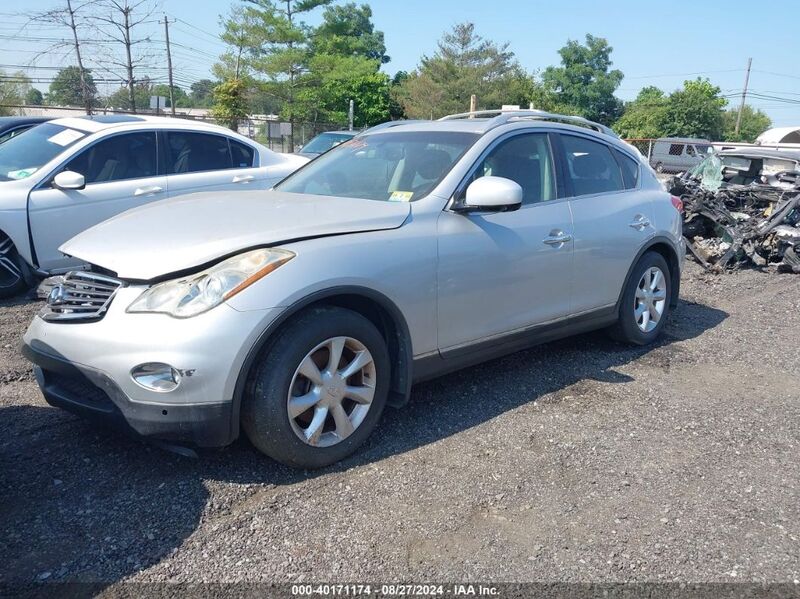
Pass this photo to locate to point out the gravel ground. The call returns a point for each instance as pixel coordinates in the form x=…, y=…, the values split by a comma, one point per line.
x=580, y=460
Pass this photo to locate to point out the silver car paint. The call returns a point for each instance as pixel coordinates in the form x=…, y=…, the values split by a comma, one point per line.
x=417, y=266
x=195, y=229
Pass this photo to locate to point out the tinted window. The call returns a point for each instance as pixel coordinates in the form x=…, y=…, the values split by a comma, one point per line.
x=676, y=149
x=526, y=160
x=242, y=155
x=590, y=166
x=196, y=152
x=24, y=154
x=126, y=156
x=391, y=166
x=630, y=169
x=13, y=133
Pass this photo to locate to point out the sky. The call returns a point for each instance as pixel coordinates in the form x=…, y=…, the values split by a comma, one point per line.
x=659, y=44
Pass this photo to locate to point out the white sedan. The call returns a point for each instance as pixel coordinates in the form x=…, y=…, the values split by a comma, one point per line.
x=60, y=178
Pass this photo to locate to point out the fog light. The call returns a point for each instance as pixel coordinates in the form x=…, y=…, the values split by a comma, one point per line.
x=156, y=376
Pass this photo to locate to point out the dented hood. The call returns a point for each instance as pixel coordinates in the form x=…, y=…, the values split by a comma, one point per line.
x=193, y=230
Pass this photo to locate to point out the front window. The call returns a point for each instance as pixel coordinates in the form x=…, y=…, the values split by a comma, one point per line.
x=392, y=166
x=325, y=141
x=24, y=154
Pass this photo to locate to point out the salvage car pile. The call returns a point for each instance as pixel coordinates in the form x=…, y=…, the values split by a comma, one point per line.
x=740, y=209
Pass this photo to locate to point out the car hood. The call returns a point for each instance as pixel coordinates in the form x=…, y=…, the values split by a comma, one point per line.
x=191, y=231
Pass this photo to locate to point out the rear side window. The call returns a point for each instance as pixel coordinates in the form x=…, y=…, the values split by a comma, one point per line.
x=675, y=149
x=196, y=152
x=242, y=155
x=590, y=166
x=630, y=169
x=116, y=158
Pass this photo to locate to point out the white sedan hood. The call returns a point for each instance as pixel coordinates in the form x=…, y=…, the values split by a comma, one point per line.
x=194, y=230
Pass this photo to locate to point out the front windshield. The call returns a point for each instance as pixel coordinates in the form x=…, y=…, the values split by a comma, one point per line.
x=325, y=141
x=391, y=166
x=23, y=155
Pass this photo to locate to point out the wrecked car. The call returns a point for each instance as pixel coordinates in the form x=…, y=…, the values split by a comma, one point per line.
x=743, y=206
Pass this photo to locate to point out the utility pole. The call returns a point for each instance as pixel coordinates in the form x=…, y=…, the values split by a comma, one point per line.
x=744, y=96
x=87, y=99
x=350, y=115
x=169, y=65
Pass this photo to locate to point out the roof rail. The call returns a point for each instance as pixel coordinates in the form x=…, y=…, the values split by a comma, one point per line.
x=504, y=116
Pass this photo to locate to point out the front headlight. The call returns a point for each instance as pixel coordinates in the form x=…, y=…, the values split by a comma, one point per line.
x=200, y=292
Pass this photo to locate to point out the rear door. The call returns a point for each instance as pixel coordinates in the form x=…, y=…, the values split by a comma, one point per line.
x=121, y=172
x=501, y=272
x=611, y=218
x=197, y=161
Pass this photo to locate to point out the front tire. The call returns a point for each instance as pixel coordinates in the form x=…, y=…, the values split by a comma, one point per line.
x=12, y=281
x=319, y=389
x=645, y=301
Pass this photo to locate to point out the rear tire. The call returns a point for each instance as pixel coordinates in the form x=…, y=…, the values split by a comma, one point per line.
x=307, y=408
x=645, y=301
x=12, y=281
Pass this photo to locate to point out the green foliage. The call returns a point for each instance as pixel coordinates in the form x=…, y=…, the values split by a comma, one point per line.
x=644, y=116
x=583, y=84
x=347, y=30
x=201, y=93
x=230, y=103
x=34, y=97
x=695, y=111
x=65, y=90
x=142, y=91
x=181, y=98
x=337, y=80
x=464, y=64
x=754, y=122
x=12, y=91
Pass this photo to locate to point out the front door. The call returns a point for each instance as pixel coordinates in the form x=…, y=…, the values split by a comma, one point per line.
x=120, y=173
x=501, y=272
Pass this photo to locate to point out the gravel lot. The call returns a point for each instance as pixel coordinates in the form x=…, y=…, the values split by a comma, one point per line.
x=581, y=460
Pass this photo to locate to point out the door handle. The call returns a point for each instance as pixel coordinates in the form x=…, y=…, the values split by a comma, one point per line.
x=639, y=222
x=148, y=191
x=557, y=238
x=243, y=179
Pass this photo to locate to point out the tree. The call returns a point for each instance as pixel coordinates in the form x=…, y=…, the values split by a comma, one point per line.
x=695, y=111
x=72, y=87
x=72, y=15
x=241, y=38
x=120, y=21
x=347, y=30
x=583, y=84
x=645, y=116
x=754, y=123
x=464, y=64
x=13, y=88
x=230, y=103
x=121, y=99
x=178, y=95
x=201, y=93
x=275, y=43
x=34, y=97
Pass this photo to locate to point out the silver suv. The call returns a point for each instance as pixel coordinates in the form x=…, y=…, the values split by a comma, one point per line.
x=297, y=314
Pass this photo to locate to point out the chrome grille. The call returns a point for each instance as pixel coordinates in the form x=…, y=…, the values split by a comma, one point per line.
x=80, y=296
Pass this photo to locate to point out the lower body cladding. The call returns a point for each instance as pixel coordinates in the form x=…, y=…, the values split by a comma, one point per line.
x=157, y=376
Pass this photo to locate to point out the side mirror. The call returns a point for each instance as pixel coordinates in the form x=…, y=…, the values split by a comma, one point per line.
x=69, y=180
x=492, y=194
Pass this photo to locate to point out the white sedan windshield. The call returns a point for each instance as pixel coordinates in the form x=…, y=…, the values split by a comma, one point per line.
x=392, y=166
x=23, y=155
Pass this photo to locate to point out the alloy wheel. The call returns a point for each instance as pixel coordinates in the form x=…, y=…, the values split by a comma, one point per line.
x=10, y=273
x=650, y=299
x=331, y=391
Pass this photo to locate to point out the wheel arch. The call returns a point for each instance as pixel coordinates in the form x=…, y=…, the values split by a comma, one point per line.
x=665, y=247
x=371, y=304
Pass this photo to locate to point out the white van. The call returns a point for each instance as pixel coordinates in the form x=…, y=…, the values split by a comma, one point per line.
x=677, y=154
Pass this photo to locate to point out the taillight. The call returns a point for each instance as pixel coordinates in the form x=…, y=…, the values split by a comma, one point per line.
x=678, y=203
